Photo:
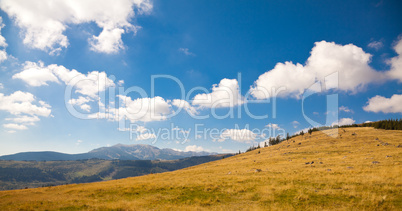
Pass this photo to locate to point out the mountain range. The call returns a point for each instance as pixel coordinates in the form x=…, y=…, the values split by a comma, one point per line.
x=118, y=151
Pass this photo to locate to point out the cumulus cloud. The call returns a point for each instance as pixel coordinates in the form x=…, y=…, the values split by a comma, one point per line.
x=3, y=43
x=81, y=102
x=396, y=63
x=290, y=80
x=23, y=103
x=90, y=84
x=225, y=94
x=286, y=79
x=43, y=23
x=143, y=109
x=193, y=148
x=25, y=107
x=344, y=121
x=239, y=135
x=36, y=74
x=185, y=105
x=386, y=105
x=3, y=55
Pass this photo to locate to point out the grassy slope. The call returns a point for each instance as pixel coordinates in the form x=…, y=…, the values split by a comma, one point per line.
x=346, y=179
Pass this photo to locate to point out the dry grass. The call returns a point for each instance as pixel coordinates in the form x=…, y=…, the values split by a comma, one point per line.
x=343, y=177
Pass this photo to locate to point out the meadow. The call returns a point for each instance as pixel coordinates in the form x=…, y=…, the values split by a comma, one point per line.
x=360, y=169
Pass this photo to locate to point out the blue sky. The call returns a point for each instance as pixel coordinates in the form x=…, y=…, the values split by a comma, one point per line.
x=240, y=46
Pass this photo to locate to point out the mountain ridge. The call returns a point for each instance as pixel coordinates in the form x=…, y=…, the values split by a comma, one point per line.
x=117, y=151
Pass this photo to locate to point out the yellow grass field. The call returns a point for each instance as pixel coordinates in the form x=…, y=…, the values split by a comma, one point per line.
x=358, y=170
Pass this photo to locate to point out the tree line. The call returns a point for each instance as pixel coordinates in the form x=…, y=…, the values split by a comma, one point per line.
x=390, y=124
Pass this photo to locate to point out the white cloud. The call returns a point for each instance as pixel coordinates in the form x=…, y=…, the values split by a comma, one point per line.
x=350, y=61
x=239, y=135
x=43, y=22
x=286, y=79
x=89, y=85
x=141, y=129
x=185, y=105
x=193, y=148
x=3, y=55
x=22, y=103
x=78, y=142
x=15, y=126
x=19, y=103
x=35, y=74
x=344, y=121
x=3, y=43
x=85, y=107
x=386, y=105
x=81, y=102
x=143, y=109
x=1, y=86
x=345, y=109
x=29, y=120
x=225, y=94
x=375, y=45
x=295, y=124
x=396, y=63
x=186, y=51
x=273, y=126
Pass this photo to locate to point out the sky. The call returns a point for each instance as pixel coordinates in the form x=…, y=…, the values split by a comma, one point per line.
x=217, y=76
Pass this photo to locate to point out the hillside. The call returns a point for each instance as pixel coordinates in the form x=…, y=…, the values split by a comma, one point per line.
x=360, y=169
x=118, y=151
x=31, y=174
